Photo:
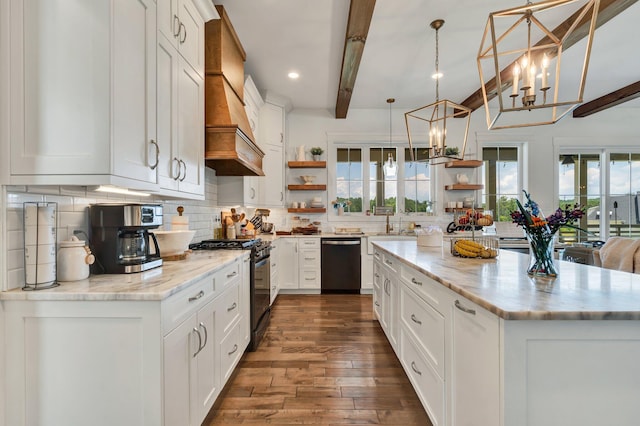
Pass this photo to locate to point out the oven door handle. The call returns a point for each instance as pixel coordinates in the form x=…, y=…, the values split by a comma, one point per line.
x=262, y=261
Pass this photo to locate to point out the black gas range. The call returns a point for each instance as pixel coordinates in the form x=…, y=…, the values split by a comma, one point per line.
x=260, y=279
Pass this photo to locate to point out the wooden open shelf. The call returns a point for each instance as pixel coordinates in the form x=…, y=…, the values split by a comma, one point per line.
x=463, y=164
x=308, y=210
x=463, y=187
x=311, y=187
x=307, y=164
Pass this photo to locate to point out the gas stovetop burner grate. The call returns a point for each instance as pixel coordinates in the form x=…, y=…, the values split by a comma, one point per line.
x=225, y=244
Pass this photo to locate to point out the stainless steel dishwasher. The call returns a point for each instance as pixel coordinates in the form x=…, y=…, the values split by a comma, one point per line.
x=341, y=266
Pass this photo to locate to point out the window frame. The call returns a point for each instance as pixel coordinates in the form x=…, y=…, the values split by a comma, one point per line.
x=365, y=143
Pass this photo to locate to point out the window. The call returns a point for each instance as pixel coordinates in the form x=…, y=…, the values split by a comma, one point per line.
x=502, y=181
x=349, y=178
x=613, y=213
x=409, y=191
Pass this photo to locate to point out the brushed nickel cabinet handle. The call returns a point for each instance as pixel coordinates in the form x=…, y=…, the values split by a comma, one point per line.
x=206, y=335
x=233, y=274
x=464, y=309
x=195, y=330
x=177, y=175
x=416, y=282
x=416, y=320
x=377, y=304
x=154, y=143
x=182, y=40
x=197, y=296
x=185, y=170
x=414, y=368
x=232, y=307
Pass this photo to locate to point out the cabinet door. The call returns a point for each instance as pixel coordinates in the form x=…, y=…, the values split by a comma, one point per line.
x=239, y=190
x=207, y=377
x=168, y=168
x=134, y=89
x=60, y=114
x=179, y=370
x=191, y=129
x=288, y=270
x=168, y=20
x=191, y=36
x=273, y=180
x=272, y=124
x=245, y=301
x=475, y=385
x=275, y=276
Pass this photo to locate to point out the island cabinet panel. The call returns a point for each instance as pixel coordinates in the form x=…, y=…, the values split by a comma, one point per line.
x=475, y=364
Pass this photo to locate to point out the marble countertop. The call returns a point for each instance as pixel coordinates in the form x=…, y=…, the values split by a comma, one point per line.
x=155, y=285
x=502, y=286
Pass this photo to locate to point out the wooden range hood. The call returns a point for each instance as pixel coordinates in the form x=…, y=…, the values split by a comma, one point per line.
x=230, y=146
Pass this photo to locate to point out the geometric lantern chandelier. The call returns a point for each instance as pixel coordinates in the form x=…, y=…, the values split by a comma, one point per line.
x=520, y=63
x=436, y=123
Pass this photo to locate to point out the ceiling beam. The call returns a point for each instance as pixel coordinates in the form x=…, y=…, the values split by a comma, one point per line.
x=360, y=14
x=609, y=100
x=608, y=10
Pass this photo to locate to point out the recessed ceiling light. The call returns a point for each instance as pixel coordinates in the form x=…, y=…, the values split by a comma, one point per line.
x=436, y=76
x=293, y=75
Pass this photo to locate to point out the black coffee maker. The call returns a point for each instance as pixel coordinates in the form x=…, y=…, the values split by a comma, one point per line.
x=120, y=237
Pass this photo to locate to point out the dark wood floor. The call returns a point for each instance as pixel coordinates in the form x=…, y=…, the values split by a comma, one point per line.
x=324, y=360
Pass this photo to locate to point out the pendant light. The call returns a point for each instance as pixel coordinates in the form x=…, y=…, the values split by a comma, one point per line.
x=390, y=167
x=520, y=58
x=437, y=117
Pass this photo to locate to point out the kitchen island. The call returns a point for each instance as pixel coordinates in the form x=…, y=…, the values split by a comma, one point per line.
x=485, y=344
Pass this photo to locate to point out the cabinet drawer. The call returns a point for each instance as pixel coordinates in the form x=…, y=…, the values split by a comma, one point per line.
x=427, y=326
x=426, y=382
x=227, y=276
x=309, y=258
x=229, y=307
x=377, y=301
x=230, y=352
x=309, y=278
x=304, y=243
x=390, y=262
x=178, y=307
x=430, y=290
x=377, y=273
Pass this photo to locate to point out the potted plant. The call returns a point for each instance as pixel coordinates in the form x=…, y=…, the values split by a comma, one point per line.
x=316, y=151
x=451, y=151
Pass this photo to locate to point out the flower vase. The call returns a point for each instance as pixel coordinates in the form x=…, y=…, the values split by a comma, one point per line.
x=541, y=255
x=340, y=210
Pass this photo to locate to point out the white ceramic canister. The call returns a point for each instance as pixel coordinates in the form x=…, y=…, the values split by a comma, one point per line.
x=74, y=260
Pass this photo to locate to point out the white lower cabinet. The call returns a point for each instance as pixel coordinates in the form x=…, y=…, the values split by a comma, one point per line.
x=302, y=257
x=475, y=365
x=288, y=249
x=159, y=362
x=385, y=271
x=275, y=274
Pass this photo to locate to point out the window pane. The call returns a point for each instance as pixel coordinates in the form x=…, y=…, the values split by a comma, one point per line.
x=501, y=175
x=417, y=185
x=349, y=183
x=383, y=191
x=579, y=182
x=624, y=187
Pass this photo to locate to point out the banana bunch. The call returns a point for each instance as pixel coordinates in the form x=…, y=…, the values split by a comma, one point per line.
x=468, y=248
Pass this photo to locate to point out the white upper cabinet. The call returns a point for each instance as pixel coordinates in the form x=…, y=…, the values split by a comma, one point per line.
x=180, y=124
x=181, y=23
x=82, y=92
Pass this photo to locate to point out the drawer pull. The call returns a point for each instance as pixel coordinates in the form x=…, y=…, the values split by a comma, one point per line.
x=416, y=320
x=206, y=335
x=310, y=279
x=377, y=304
x=309, y=258
x=388, y=262
x=232, y=307
x=197, y=296
x=235, y=348
x=376, y=275
x=416, y=282
x=233, y=274
x=463, y=309
x=195, y=330
x=414, y=368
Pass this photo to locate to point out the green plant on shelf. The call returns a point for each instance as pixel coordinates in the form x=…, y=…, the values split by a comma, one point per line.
x=316, y=150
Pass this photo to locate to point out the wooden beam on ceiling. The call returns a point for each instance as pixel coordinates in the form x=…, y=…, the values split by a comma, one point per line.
x=609, y=100
x=360, y=14
x=608, y=10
